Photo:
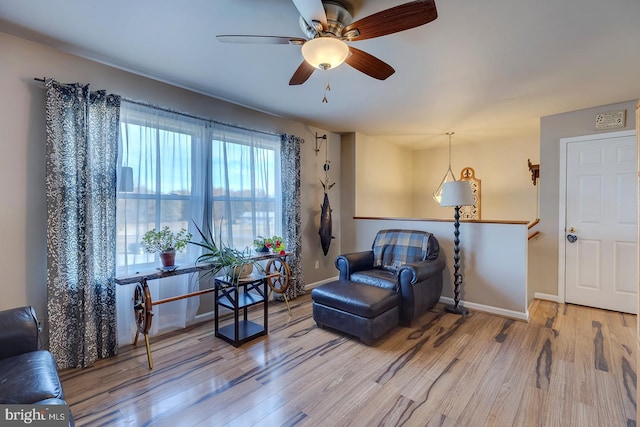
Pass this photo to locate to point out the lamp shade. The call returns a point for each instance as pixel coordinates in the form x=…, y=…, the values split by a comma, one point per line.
x=325, y=52
x=448, y=177
x=457, y=193
x=126, y=179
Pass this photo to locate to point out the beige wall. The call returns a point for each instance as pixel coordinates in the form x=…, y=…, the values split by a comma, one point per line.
x=543, y=252
x=348, y=183
x=22, y=163
x=384, y=178
x=638, y=189
x=506, y=188
x=392, y=181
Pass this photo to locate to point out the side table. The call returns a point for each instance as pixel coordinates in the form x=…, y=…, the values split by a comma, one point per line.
x=239, y=296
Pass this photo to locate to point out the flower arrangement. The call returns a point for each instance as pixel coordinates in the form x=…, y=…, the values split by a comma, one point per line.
x=165, y=240
x=278, y=245
x=266, y=244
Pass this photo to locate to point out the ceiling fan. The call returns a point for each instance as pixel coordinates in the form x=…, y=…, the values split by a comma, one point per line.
x=328, y=25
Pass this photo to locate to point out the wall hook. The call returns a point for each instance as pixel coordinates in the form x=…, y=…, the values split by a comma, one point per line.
x=322, y=137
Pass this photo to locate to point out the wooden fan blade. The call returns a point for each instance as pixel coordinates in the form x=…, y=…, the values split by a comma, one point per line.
x=312, y=10
x=393, y=20
x=260, y=39
x=369, y=64
x=302, y=74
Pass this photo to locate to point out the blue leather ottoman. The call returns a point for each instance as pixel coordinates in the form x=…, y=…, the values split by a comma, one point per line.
x=365, y=311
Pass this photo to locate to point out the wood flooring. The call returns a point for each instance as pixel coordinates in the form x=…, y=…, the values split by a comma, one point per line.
x=569, y=366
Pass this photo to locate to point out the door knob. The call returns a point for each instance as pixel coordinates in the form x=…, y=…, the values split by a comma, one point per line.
x=572, y=230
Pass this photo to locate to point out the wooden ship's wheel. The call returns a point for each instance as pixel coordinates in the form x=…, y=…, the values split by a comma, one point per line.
x=142, y=308
x=278, y=274
x=142, y=313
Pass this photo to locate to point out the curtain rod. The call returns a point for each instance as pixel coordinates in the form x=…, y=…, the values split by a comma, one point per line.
x=191, y=116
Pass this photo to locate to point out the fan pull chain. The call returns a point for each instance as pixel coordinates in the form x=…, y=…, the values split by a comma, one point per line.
x=327, y=88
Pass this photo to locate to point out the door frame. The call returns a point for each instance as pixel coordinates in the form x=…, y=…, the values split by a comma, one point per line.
x=562, y=199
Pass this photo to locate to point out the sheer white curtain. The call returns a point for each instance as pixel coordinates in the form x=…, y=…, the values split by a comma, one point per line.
x=189, y=171
x=245, y=185
x=164, y=151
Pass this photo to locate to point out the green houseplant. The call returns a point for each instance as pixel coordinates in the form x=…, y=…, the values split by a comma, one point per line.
x=222, y=257
x=166, y=243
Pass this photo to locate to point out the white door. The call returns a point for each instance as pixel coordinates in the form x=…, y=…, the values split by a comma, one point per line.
x=601, y=255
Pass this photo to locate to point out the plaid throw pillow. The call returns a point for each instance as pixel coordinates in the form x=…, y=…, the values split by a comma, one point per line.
x=393, y=248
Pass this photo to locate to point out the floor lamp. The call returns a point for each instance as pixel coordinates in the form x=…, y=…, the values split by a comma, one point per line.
x=456, y=193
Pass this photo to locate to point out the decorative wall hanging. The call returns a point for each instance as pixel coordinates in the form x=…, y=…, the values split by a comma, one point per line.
x=535, y=171
x=326, y=225
x=471, y=211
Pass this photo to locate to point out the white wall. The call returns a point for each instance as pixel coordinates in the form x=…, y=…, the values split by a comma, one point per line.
x=384, y=178
x=22, y=163
x=493, y=260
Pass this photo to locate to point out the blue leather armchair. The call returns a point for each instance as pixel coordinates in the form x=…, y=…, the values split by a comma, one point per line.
x=405, y=261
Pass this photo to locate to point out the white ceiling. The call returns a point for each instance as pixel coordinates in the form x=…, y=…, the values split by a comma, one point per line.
x=485, y=69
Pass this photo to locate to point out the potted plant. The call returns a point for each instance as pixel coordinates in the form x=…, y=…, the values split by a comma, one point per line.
x=166, y=243
x=266, y=244
x=278, y=245
x=262, y=244
x=234, y=263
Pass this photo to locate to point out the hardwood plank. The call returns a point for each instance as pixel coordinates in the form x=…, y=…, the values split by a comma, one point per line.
x=621, y=356
x=490, y=384
x=585, y=360
x=445, y=370
x=566, y=323
x=584, y=415
x=521, y=368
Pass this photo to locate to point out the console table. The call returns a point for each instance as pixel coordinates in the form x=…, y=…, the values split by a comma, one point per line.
x=276, y=275
x=143, y=304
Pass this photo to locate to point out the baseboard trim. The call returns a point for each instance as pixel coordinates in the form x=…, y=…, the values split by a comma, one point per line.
x=490, y=309
x=321, y=282
x=202, y=317
x=208, y=316
x=547, y=297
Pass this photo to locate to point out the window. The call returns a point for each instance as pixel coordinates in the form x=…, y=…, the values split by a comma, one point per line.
x=244, y=199
x=188, y=171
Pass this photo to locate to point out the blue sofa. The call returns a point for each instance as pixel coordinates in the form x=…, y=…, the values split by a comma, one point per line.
x=28, y=375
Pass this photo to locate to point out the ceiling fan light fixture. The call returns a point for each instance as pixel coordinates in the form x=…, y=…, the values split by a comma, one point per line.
x=325, y=52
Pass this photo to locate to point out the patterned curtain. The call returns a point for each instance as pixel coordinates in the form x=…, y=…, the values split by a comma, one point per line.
x=291, y=225
x=82, y=148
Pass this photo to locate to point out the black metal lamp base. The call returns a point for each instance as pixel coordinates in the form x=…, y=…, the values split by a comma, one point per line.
x=456, y=310
x=457, y=277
